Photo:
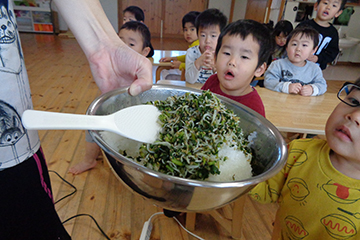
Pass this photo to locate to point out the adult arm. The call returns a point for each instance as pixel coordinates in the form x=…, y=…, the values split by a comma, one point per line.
x=112, y=63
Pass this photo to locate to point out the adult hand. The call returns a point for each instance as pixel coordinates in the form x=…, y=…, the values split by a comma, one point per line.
x=112, y=63
x=295, y=88
x=118, y=66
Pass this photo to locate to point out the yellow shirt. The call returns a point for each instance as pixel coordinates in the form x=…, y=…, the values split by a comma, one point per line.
x=316, y=201
x=183, y=57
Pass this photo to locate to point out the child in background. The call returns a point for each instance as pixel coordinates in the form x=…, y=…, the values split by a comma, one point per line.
x=137, y=36
x=282, y=29
x=295, y=74
x=199, y=61
x=242, y=52
x=133, y=13
x=190, y=35
x=329, y=38
x=318, y=188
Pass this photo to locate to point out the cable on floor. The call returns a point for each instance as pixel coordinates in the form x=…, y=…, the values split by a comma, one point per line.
x=192, y=234
x=75, y=190
x=84, y=214
x=147, y=228
x=77, y=215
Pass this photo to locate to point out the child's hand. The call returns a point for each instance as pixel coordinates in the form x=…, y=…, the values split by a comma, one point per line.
x=295, y=88
x=306, y=90
x=313, y=58
x=167, y=59
x=175, y=64
x=206, y=60
x=209, y=59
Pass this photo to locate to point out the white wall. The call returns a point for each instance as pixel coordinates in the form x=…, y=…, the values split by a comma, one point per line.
x=223, y=5
x=239, y=9
x=110, y=7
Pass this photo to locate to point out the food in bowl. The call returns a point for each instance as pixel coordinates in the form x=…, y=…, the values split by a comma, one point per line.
x=200, y=139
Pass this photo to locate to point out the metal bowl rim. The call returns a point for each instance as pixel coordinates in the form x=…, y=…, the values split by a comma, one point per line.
x=273, y=170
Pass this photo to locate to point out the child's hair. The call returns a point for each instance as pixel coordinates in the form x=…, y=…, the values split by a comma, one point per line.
x=143, y=30
x=283, y=26
x=190, y=17
x=138, y=12
x=307, y=31
x=260, y=33
x=343, y=2
x=210, y=17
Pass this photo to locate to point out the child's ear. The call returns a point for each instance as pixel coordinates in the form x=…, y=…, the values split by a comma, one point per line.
x=260, y=70
x=145, y=51
x=314, y=50
x=338, y=13
x=315, y=6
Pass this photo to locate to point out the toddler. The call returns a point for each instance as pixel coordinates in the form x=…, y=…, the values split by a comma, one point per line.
x=133, y=13
x=241, y=53
x=295, y=74
x=137, y=36
x=281, y=31
x=318, y=188
x=329, y=38
x=199, y=61
x=190, y=35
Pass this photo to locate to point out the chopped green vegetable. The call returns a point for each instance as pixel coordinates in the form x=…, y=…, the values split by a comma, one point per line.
x=194, y=128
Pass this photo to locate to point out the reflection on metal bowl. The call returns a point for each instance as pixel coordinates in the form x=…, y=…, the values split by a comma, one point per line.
x=179, y=194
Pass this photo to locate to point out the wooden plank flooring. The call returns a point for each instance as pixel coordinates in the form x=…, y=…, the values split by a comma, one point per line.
x=61, y=81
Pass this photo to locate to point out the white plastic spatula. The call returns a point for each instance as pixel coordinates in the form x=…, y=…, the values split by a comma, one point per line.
x=138, y=122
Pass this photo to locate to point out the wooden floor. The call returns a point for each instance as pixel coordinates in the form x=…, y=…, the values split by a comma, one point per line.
x=61, y=81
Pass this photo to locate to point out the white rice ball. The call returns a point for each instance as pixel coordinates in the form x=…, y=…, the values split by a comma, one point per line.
x=236, y=167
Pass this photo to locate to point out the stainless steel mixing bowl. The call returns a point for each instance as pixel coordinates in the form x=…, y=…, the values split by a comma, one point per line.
x=179, y=194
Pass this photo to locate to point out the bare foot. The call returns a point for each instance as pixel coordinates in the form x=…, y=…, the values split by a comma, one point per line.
x=82, y=167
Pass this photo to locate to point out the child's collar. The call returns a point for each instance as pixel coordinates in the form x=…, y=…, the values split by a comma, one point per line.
x=322, y=23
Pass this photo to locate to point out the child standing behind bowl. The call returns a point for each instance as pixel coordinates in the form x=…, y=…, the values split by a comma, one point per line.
x=241, y=54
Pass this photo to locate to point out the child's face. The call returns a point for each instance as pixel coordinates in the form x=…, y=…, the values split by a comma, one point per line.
x=208, y=37
x=134, y=40
x=236, y=64
x=281, y=39
x=190, y=34
x=328, y=9
x=343, y=128
x=128, y=16
x=299, y=48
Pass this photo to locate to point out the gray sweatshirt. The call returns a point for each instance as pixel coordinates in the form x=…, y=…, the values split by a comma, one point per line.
x=281, y=73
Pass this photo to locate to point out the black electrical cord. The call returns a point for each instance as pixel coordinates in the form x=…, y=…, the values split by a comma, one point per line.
x=83, y=214
x=75, y=190
x=77, y=215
